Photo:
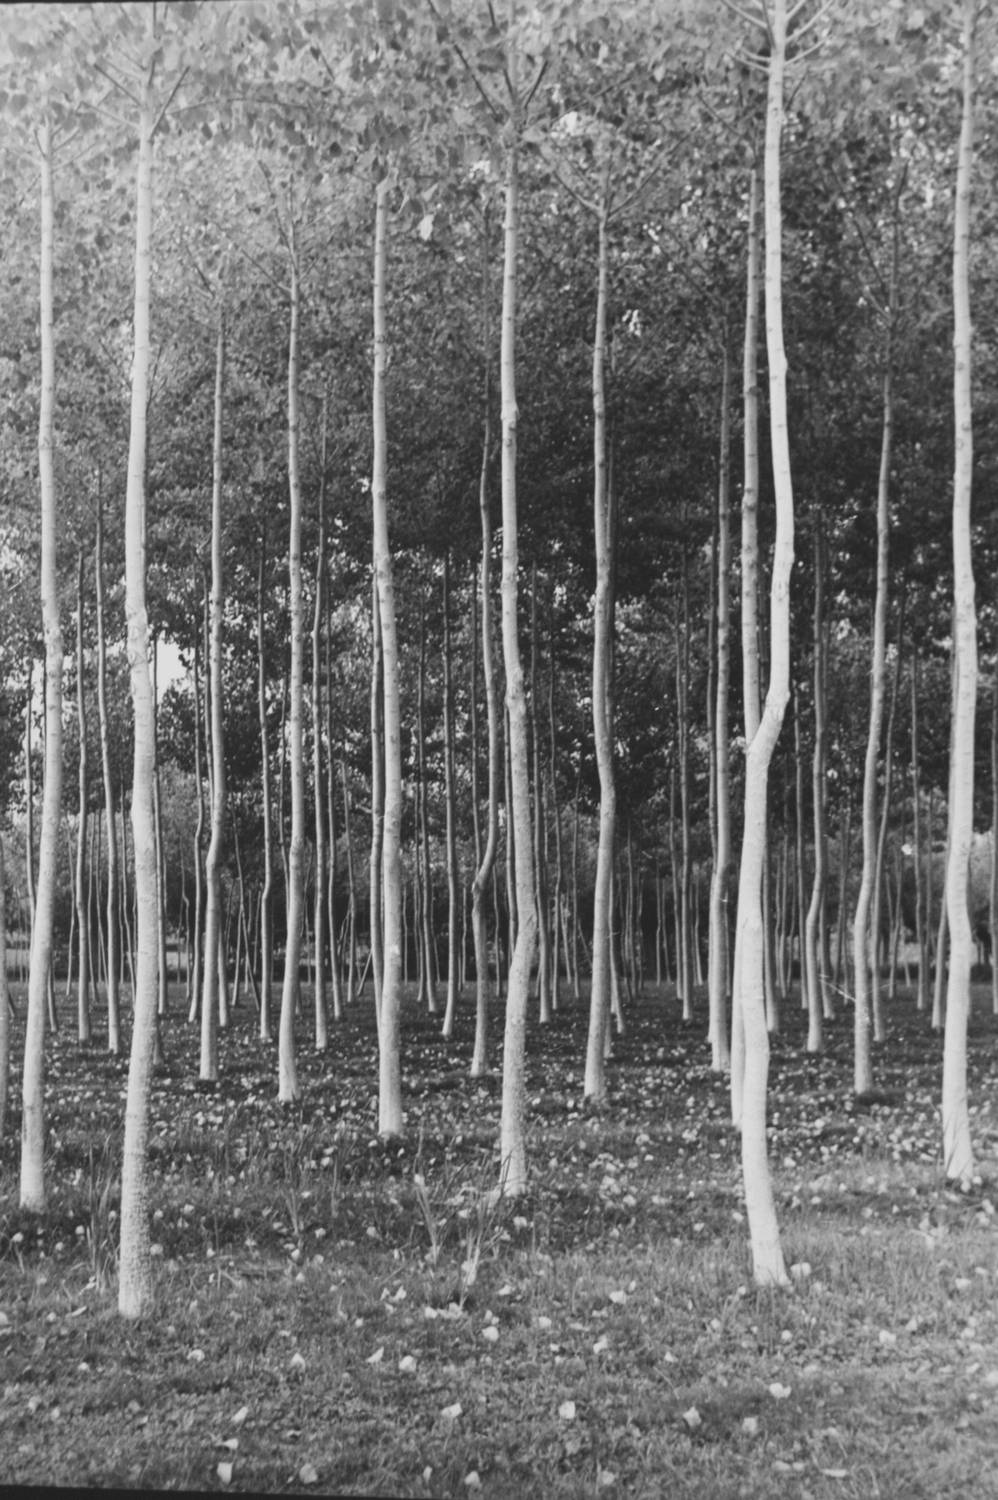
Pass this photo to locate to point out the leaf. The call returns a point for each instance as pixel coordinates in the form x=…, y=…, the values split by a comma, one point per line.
x=377, y=1356
x=778, y=1392
x=451, y=1413
x=692, y=1418
x=566, y=1411
x=407, y=1364
x=240, y=1416
x=308, y=1474
x=224, y=1472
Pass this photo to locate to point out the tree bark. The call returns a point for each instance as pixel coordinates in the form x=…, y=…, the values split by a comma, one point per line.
x=720, y=879
x=513, y=1147
x=135, y=1287
x=33, y=1095
x=267, y=892
x=390, y=1116
x=767, y=1255
x=288, y=1086
x=957, y=1148
x=213, y=942
x=113, y=962
x=813, y=925
x=321, y=874
x=749, y=576
x=83, y=1024
x=453, y=891
x=594, y=1086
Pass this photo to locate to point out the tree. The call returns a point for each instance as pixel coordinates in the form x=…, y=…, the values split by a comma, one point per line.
x=33, y=1122
x=957, y=1148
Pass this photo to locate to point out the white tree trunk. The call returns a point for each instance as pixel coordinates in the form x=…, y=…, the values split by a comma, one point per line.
x=390, y=1115
x=513, y=1147
x=767, y=1255
x=135, y=1265
x=213, y=939
x=33, y=1117
x=957, y=1149
x=288, y=1089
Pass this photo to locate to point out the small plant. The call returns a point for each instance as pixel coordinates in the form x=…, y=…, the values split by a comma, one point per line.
x=102, y=1245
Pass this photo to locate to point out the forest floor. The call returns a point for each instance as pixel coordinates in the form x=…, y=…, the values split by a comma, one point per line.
x=339, y=1316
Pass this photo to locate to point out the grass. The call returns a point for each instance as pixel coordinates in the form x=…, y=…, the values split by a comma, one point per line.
x=341, y=1316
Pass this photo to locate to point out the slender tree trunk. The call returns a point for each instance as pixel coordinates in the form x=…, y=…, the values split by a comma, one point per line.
x=113, y=929
x=288, y=1086
x=921, y=914
x=135, y=1288
x=540, y=825
x=767, y=1254
x=865, y=942
x=486, y=865
x=594, y=1086
x=267, y=892
x=749, y=585
x=33, y=1096
x=429, y=991
x=319, y=906
x=376, y=923
x=720, y=880
x=335, y=971
x=5, y=1003
x=813, y=954
x=390, y=1116
x=879, y=1025
x=513, y=1148
x=83, y=1027
x=957, y=1148
x=453, y=889
x=213, y=942
x=162, y=976
x=993, y=885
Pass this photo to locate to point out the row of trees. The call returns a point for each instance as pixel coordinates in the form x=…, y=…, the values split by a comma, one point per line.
x=651, y=185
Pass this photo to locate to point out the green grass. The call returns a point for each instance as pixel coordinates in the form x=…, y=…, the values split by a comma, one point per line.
x=293, y=1247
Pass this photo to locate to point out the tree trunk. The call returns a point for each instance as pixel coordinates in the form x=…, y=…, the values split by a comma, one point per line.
x=429, y=989
x=453, y=890
x=113, y=963
x=83, y=1028
x=720, y=879
x=767, y=1254
x=319, y=905
x=390, y=1117
x=288, y=1086
x=749, y=579
x=594, y=1087
x=213, y=944
x=540, y=825
x=813, y=954
x=993, y=884
x=4, y=996
x=135, y=1287
x=486, y=865
x=957, y=1148
x=921, y=912
x=879, y=1026
x=33, y=1111
x=267, y=892
x=513, y=1146
x=376, y=922
x=865, y=942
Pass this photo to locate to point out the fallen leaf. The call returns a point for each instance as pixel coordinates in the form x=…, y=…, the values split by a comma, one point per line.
x=240, y=1416
x=452, y=1412
x=692, y=1418
x=224, y=1472
x=407, y=1364
x=377, y=1356
x=308, y=1474
x=566, y=1411
x=472, y=1481
x=778, y=1392
x=491, y=1334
